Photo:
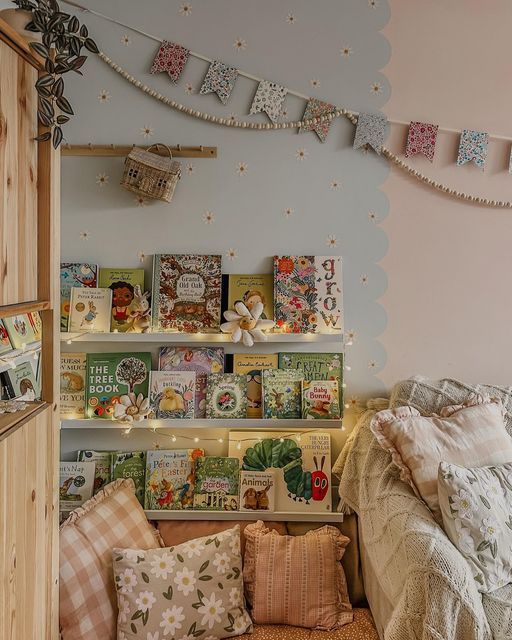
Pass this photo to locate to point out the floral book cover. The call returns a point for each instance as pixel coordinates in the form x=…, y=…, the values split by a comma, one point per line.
x=202, y=360
x=131, y=464
x=216, y=486
x=170, y=478
x=72, y=386
x=76, y=484
x=74, y=274
x=186, y=293
x=172, y=394
x=282, y=394
x=226, y=396
x=320, y=400
x=122, y=283
x=301, y=465
x=315, y=366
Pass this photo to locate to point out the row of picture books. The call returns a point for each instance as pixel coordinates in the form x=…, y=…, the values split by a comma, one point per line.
x=302, y=295
x=16, y=332
x=263, y=472
x=203, y=382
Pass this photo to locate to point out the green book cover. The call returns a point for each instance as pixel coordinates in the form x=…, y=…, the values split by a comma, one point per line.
x=170, y=478
x=226, y=396
x=316, y=366
x=320, y=400
x=282, y=394
x=217, y=484
x=103, y=472
x=131, y=464
x=111, y=375
x=122, y=283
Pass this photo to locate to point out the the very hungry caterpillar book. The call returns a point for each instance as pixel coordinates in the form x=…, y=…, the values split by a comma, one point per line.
x=74, y=274
x=172, y=394
x=122, y=283
x=320, y=400
x=251, y=289
x=216, y=485
x=226, y=396
x=170, y=478
x=72, y=385
x=186, y=293
x=252, y=364
x=131, y=464
x=90, y=310
x=282, y=393
x=111, y=375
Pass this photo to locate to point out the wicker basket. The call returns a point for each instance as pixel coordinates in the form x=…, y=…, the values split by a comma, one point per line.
x=151, y=175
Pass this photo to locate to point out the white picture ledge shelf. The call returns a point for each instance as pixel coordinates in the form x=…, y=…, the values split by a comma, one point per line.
x=204, y=423
x=281, y=516
x=18, y=356
x=190, y=338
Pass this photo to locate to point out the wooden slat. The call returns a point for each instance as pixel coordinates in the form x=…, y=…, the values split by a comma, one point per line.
x=112, y=150
x=9, y=422
x=23, y=307
x=18, y=44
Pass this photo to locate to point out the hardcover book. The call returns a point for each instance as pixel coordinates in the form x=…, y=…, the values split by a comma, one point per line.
x=19, y=329
x=252, y=364
x=35, y=322
x=131, y=464
x=90, y=310
x=103, y=471
x=5, y=343
x=302, y=467
x=316, y=366
x=72, y=386
x=282, y=394
x=216, y=487
x=74, y=274
x=186, y=293
x=172, y=394
x=257, y=491
x=226, y=396
x=111, y=375
x=202, y=360
x=251, y=289
x=320, y=400
x=76, y=484
x=21, y=382
x=122, y=283
x=170, y=479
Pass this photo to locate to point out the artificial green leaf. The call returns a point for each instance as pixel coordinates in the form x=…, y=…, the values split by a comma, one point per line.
x=40, y=49
x=133, y=627
x=205, y=578
x=485, y=502
x=91, y=46
x=203, y=566
x=64, y=105
x=57, y=137
x=145, y=577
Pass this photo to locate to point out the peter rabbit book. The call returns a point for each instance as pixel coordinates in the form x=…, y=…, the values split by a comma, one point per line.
x=226, y=396
x=301, y=466
x=90, y=310
x=72, y=385
x=35, y=322
x=131, y=464
x=19, y=329
x=202, y=360
x=252, y=364
x=103, y=471
x=122, y=283
x=170, y=478
x=76, y=484
x=111, y=375
x=172, y=394
x=320, y=400
x=257, y=491
x=21, y=382
x=74, y=274
x=316, y=366
x=216, y=487
x=282, y=394
x=251, y=289
x=186, y=293
x=5, y=343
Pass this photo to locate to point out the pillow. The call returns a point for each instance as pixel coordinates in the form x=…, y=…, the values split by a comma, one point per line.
x=113, y=517
x=194, y=589
x=296, y=580
x=477, y=516
x=472, y=435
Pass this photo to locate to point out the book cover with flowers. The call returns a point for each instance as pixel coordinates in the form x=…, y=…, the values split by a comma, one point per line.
x=170, y=478
x=320, y=400
x=315, y=366
x=216, y=486
x=226, y=396
x=282, y=394
x=74, y=274
x=172, y=394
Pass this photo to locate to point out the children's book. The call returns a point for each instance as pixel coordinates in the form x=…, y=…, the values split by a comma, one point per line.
x=35, y=322
x=20, y=330
x=320, y=400
x=202, y=360
x=72, y=385
x=226, y=396
x=74, y=274
x=131, y=464
x=5, y=343
x=186, y=293
x=103, y=471
x=76, y=484
x=316, y=366
x=21, y=382
x=170, y=478
x=301, y=464
x=111, y=375
x=172, y=394
x=90, y=310
x=257, y=491
x=216, y=487
x=252, y=364
x=122, y=283
x=282, y=394
x=251, y=289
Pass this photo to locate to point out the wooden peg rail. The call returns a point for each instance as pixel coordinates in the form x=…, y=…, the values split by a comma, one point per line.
x=112, y=150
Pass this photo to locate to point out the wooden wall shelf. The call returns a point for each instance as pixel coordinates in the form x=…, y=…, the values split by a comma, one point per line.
x=23, y=307
x=276, y=516
x=114, y=151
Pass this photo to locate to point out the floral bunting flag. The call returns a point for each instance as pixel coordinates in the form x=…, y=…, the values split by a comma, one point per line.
x=473, y=147
x=171, y=58
x=269, y=98
x=314, y=109
x=371, y=130
x=422, y=139
x=220, y=79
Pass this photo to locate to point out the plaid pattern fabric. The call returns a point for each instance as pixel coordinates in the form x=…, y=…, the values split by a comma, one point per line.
x=112, y=518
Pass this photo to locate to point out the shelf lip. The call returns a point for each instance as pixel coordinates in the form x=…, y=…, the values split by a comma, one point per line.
x=253, y=424
x=278, y=516
x=23, y=307
x=9, y=422
x=300, y=338
x=19, y=355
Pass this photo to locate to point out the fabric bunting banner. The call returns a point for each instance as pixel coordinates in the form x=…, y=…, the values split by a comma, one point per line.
x=422, y=139
x=473, y=147
x=269, y=99
x=370, y=130
x=219, y=79
x=171, y=58
x=314, y=109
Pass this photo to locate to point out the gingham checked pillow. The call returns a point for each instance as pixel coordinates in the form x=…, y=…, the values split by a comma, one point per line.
x=112, y=518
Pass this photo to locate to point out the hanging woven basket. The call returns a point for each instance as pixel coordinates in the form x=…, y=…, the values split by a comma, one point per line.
x=151, y=175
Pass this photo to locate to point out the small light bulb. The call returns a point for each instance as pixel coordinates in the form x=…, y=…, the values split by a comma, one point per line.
x=127, y=431
x=347, y=368
x=344, y=385
x=349, y=343
x=69, y=341
x=196, y=439
x=238, y=445
x=13, y=365
x=347, y=406
x=221, y=440
x=173, y=438
x=23, y=346
x=281, y=439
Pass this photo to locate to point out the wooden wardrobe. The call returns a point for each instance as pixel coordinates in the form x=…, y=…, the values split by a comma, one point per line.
x=29, y=446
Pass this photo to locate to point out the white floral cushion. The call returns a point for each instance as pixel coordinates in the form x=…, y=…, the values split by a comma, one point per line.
x=192, y=590
x=476, y=505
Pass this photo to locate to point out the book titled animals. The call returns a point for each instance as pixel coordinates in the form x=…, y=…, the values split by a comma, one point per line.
x=90, y=310
x=103, y=470
x=76, y=484
x=172, y=394
x=21, y=382
x=282, y=394
x=74, y=274
x=170, y=479
x=226, y=396
x=320, y=400
x=131, y=464
x=257, y=491
x=186, y=293
x=216, y=486
x=251, y=289
x=252, y=364
x=72, y=385
x=122, y=283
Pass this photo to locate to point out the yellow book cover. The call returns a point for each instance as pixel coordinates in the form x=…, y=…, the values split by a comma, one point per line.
x=251, y=289
x=252, y=364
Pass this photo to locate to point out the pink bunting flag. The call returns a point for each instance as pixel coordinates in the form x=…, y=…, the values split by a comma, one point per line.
x=171, y=58
x=422, y=139
x=314, y=109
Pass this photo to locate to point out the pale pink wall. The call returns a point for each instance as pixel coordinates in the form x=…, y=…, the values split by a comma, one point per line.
x=449, y=264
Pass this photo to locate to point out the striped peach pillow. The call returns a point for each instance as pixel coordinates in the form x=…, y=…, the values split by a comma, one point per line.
x=296, y=580
x=470, y=435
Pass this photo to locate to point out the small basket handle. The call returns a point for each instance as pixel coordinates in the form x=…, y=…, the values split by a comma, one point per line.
x=160, y=144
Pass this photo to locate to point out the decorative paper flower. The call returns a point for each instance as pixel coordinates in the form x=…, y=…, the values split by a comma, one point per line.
x=185, y=9
x=372, y=216
x=85, y=235
x=376, y=87
x=315, y=83
x=126, y=40
x=104, y=96
x=208, y=217
x=241, y=169
x=131, y=408
x=332, y=241
x=147, y=131
x=102, y=179
x=301, y=154
x=288, y=212
x=240, y=44
x=189, y=89
x=290, y=18
x=346, y=51
x=140, y=201
x=246, y=325
x=335, y=185
x=231, y=254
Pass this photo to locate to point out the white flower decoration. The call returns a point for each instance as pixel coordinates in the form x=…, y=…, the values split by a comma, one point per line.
x=241, y=623
x=234, y=545
x=350, y=335
x=190, y=169
x=172, y=619
x=104, y=96
x=372, y=216
x=102, y=179
x=462, y=504
x=372, y=364
x=189, y=89
x=185, y=580
x=290, y=19
x=246, y=325
x=124, y=609
x=147, y=131
x=288, y=212
x=127, y=580
x=240, y=44
x=335, y=185
x=364, y=279
x=466, y=542
x=373, y=4
x=231, y=254
x=163, y=565
x=211, y=610
x=145, y=601
x=241, y=169
x=376, y=88
x=489, y=529
x=208, y=217
x=315, y=83
x=235, y=597
x=332, y=241
x=133, y=555
x=185, y=9
x=141, y=256
x=301, y=154
x=126, y=40
x=85, y=235
x=140, y=201
x=221, y=562
x=131, y=408
x=192, y=548
x=346, y=51
x=153, y=636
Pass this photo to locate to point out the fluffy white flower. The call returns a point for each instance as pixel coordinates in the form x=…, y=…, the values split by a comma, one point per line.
x=234, y=545
x=185, y=580
x=132, y=555
x=489, y=529
x=211, y=610
x=241, y=623
x=124, y=609
x=162, y=565
x=145, y=601
x=462, y=503
x=127, y=580
x=192, y=548
x=221, y=562
x=235, y=597
x=172, y=619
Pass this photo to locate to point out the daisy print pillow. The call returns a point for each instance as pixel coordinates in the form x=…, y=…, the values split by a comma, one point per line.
x=476, y=505
x=192, y=590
